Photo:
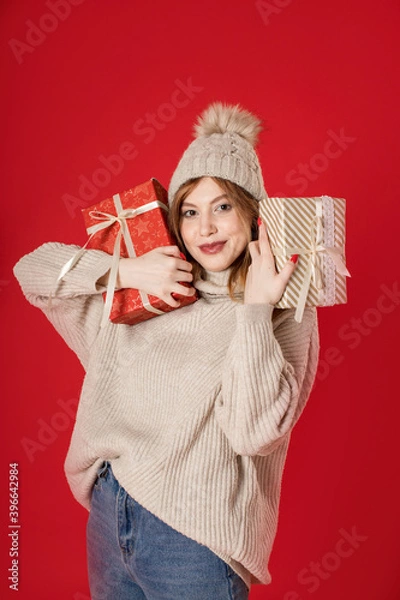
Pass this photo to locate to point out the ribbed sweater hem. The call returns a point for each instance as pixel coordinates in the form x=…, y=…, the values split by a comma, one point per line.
x=246, y=575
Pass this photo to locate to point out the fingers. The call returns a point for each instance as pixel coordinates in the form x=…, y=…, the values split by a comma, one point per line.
x=288, y=269
x=261, y=247
x=170, y=251
x=185, y=276
x=188, y=290
x=171, y=300
x=172, y=262
x=183, y=265
x=173, y=251
x=254, y=250
x=183, y=290
x=264, y=245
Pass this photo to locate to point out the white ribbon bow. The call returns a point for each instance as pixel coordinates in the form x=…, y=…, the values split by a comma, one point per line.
x=313, y=270
x=106, y=220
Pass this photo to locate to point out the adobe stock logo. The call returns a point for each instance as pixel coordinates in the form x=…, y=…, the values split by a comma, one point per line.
x=49, y=429
x=3, y=283
x=333, y=148
x=145, y=129
x=354, y=331
x=316, y=572
x=36, y=34
x=270, y=9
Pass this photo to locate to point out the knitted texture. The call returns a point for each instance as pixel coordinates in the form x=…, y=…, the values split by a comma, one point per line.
x=224, y=147
x=194, y=409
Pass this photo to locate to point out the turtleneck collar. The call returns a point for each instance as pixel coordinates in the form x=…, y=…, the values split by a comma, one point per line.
x=213, y=284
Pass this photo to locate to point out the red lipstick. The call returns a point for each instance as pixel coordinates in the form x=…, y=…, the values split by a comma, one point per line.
x=212, y=248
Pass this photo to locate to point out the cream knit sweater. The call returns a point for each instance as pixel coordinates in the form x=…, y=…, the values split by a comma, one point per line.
x=193, y=408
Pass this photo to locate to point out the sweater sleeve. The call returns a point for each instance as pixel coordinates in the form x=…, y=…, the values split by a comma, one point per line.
x=267, y=377
x=76, y=309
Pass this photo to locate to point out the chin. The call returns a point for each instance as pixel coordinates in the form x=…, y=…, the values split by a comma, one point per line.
x=215, y=270
x=215, y=267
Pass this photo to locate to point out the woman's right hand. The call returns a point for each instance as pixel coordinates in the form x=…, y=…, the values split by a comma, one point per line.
x=157, y=272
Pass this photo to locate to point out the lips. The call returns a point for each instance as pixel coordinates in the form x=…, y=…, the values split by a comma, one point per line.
x=212, y=248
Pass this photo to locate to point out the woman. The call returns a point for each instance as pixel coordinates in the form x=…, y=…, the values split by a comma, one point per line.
x=184, y=420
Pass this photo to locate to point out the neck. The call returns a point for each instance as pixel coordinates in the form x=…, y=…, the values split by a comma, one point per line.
x=212, y=283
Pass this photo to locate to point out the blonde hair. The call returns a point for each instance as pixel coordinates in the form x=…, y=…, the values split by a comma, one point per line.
x=247, y=208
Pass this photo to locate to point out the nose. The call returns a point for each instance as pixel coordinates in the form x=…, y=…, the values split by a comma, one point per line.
x=207, y=225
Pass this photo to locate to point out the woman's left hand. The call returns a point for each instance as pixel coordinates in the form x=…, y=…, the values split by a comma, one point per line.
x=263, y=284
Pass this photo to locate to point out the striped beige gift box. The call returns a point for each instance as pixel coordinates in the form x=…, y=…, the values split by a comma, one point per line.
x=313, y=228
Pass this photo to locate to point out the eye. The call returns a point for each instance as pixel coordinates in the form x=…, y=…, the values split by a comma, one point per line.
x=224, y=207
x=188, y=213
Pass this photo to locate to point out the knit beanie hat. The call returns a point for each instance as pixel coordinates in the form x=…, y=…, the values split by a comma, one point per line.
x=225, y=138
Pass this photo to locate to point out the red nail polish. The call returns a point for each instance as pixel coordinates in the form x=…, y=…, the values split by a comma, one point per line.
x=294, y=258
x=259, y=221
x=175, y=296
x=182, y=255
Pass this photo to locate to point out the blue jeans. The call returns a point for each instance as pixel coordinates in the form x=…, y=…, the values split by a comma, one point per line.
x=134, y=555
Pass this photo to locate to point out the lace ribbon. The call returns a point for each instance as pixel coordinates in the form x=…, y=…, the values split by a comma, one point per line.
x=313, y=270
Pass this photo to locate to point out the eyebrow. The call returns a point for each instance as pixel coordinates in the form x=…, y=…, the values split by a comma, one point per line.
x=222, y=197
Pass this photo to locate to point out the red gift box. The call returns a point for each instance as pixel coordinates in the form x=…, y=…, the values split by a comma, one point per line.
x=135, y=221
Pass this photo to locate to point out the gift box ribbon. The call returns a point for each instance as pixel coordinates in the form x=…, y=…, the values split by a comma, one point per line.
x=313, y=271
x=107, y=220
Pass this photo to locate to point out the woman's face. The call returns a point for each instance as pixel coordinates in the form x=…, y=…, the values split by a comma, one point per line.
x=211, y=228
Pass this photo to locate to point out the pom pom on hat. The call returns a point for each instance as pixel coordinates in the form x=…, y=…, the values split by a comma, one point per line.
x=225, y=137
x=226, y=118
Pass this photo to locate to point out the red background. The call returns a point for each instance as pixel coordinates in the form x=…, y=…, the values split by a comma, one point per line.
x=310, y=69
